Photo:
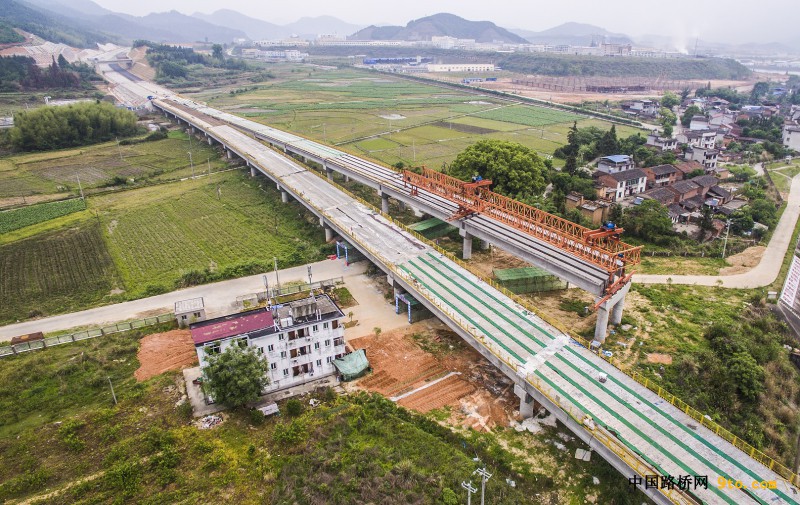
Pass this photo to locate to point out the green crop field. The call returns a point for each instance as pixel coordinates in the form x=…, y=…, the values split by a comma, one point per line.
x=57, y=271
x=58, y=172
x=15, y=219
x=360, y=111
x=156, y=234
x=142, y=241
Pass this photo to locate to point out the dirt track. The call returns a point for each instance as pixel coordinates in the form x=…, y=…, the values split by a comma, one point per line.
x=161, y=352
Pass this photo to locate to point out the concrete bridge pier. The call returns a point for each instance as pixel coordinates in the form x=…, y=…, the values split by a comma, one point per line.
x=284, y=195
x=402, y=206
x=328, y=233
x=384, y=201
x=527, y=405
x=252, y=170
x=208, y=139
x=611, y=310
x=467, y=247
x=228, y=153
x=328, y=172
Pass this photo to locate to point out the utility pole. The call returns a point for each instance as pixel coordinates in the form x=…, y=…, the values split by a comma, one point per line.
x=209, y=167
x=310, y=284
x=277, y=281
x=112, y=390
x=484, y=477
x=470, y=491
x=80, y=187
x=414, y=149
x=119, y=148
x=191, y=162
x=725, y=244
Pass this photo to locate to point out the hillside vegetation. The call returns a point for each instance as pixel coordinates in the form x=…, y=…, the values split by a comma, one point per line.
x=50, y=26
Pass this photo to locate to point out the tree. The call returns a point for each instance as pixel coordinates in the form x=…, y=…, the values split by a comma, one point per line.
x=609, y=144
x=759, y=89
x=689, y=113
x=217, y=52
x=515, y=170
x=741, y=221
x=685, y=93
x=62, y=62
x=648, y=220
x=746, y=373
x=571, y=166
x=670, y=100
x=236, y=376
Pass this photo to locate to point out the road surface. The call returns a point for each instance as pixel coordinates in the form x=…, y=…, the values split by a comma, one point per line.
x=218, y=298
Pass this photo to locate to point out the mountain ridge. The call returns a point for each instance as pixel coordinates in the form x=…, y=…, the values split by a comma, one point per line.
x=438, y=25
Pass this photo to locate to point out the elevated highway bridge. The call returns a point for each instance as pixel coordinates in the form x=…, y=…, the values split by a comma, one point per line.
x=609, y=288
x=640, y=430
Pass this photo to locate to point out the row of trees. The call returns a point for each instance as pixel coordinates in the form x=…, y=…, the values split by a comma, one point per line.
x=74, y=125
x=18, y=73
x=585, y=144
x=174, y=62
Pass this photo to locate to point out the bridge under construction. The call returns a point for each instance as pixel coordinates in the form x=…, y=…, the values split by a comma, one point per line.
x=641, y=431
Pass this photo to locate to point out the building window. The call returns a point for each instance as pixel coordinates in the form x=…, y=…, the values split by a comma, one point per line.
x=335, y=324
x=338, y=341
x=319, y=362
x=196, y=314
x=328, y=343
x=273, y=366
x=281, y=336
x=315, y=328
x=316, y=345
x=260, y=350
x=325, y=326
x=283, y=354
x=212, y=349
x=183, y=317
x=241, y=342
x=328, y=359
x=285, y=372
x=270, y=347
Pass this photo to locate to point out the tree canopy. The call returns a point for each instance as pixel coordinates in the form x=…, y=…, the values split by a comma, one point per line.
x=649, y=221
x=670, y=100
x=689, y=113
x=74, y=125
x=236, y=376
x=515, y=170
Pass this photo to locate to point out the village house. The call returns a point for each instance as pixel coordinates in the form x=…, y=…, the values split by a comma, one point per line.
x=662, y=175
x=645, y=107
x=687, y=167
x=615, y=164
x=299, y=340
x=706, y=157
x=620, y=185
x=594, y=211
x=663, y=195
x=791, y=137
x=662, y=143
x=698, y=123
x=705, y=139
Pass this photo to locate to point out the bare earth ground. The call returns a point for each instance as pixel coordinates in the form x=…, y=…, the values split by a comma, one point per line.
x=477, y=395
x=655, y=357
x=160, y=352
x=140, y=66
x=743, y=261
x=30, y=199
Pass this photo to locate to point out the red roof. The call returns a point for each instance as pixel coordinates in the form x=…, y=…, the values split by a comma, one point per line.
x=230, y=326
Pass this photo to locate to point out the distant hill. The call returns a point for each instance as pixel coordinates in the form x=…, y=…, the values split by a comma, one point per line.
x=83, y=23
x=257, y=29
x=440, y=25
x=574, y=34
x=50, y=25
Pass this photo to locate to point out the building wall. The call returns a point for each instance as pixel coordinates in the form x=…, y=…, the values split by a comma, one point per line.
x=613, y=168
x=471, y=67
x=791, y=139
x=320, y=339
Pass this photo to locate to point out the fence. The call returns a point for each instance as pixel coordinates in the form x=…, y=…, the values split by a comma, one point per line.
x=46, y=342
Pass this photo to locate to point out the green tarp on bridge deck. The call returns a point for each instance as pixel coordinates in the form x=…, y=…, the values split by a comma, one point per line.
x=353, y=365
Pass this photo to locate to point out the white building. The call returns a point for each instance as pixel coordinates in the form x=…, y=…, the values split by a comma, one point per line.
x=645, y=107
x=791, y=137
x=190, y=311
x=299, y=340
x=698, y=123
x=615, y=164
x=704, y=139
x=662, y=143
x=619, y=185
x=708, y=157
x=462, y=67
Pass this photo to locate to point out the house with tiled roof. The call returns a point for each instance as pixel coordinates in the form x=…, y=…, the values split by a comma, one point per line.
x=662, y=175
x=620, y=185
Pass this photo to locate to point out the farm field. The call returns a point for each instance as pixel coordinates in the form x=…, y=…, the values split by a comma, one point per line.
x=58, y=271
x=393, y=120
x=32, y=176
x=15, y=219
x=133, y=243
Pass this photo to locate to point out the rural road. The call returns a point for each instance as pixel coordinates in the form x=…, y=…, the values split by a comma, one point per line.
x=765, y=272
x=219, y=299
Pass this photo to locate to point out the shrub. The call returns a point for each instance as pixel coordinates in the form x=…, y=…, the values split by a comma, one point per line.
x=294, y=408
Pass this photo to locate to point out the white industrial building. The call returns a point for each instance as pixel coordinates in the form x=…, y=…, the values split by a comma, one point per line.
x=461, y=67
x=299, y=339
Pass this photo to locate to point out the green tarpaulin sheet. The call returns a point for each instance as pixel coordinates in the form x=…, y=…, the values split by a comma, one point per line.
x=353, y=365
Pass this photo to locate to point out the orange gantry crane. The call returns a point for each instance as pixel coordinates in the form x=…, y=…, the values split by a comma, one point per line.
x=601, y=247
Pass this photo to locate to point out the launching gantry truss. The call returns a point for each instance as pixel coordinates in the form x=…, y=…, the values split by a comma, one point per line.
x=601, y=247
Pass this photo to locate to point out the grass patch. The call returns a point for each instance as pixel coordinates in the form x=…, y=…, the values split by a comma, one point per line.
x=344, y=299
x=680, y=265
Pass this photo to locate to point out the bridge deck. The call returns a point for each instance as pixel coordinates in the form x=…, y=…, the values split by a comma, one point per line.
x=669, y=441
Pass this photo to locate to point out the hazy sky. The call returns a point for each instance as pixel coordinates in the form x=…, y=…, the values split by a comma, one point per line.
x=727, y=20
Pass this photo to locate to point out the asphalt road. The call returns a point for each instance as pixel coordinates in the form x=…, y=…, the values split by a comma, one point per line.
x=765, y=272
x=219, y=299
